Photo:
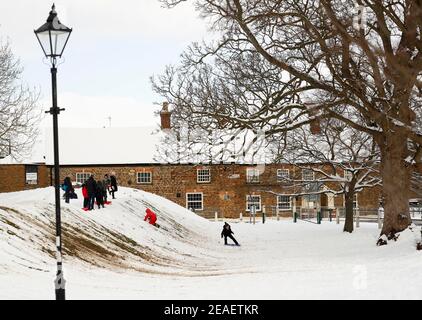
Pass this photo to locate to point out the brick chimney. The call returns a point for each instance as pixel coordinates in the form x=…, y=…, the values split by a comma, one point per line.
x=165, y=115
x=315, y=124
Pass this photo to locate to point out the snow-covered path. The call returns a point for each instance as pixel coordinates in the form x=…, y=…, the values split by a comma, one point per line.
x=278, y=260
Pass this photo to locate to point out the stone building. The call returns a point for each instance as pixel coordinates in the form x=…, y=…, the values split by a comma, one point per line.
x=228, y=189
x=18, y=177
x=225, y=189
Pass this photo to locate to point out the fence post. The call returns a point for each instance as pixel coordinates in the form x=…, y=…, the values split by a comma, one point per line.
x=319, y=217
x=294, y=216
x=338, y=215
x=241, y=217
x=254, y=213
x=263, y=214
x=277, y=212
x=379, y=219
x=357, y=218
x=216, y=216
x=330, y=215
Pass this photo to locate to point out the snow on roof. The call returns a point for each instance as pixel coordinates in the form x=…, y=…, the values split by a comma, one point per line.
x=29, y=160
x=87, y=146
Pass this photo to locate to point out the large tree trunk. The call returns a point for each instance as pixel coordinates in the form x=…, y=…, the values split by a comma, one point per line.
x=395, y=173
x=348, y=223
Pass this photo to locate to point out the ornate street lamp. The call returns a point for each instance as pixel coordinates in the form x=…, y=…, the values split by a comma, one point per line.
x=53, y=37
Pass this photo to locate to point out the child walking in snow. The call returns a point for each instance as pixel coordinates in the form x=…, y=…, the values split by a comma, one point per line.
x=227, y=233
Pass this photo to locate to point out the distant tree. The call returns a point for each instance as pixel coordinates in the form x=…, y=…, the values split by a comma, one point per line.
x=344, y=161
x=19, y=112
x=280, y=65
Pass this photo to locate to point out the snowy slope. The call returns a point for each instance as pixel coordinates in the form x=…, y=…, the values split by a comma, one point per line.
x=112, y=254
x=115, y=237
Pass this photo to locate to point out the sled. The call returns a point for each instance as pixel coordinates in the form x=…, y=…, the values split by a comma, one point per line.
x=107, y=202
x=85, y=209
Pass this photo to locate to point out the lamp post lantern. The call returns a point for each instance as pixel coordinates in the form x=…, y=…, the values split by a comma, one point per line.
x=53, y=37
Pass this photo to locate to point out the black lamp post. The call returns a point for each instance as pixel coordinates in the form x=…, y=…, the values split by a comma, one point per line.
x=53, y=37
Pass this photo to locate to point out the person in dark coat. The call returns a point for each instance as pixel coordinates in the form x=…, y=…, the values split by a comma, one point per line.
x=113, y=186
x=68, y=189
x=99, y=194
x=227, y=233
x=91, y=186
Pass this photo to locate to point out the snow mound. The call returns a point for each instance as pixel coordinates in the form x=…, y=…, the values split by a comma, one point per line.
x=114, y=237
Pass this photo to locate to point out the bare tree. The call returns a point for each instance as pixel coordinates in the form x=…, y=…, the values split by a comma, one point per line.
x=322, y=60
x=19, y=112
x=344, y=161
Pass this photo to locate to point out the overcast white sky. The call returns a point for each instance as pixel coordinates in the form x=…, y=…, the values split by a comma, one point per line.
x=114, y=48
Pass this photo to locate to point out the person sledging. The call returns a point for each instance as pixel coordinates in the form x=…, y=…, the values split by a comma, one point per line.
x=228, y=233
x=151, y=217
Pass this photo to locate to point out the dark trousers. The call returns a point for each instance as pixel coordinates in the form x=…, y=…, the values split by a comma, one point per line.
x=91, y=202
x=67, y=196
x=100, y=202
x=86, y=202
x=231, y=237
x=112, y=191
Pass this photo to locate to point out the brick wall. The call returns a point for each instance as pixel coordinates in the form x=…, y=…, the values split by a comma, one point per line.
x=225, y=194
x=13, y=178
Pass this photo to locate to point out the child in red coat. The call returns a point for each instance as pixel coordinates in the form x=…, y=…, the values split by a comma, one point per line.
x=151, y=216
x=85, y=195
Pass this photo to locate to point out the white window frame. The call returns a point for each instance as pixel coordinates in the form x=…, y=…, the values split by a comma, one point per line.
x=200, y=175
x=30, y=175
x=87, y=174
x=282, y=176
x=305, y=171
x=284, y=202
x=255, y=177
x=195, y=193
x=259, y=209
x=138, y=177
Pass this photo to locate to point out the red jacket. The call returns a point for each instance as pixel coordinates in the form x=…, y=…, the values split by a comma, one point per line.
x=151, y=216
x=85, y=192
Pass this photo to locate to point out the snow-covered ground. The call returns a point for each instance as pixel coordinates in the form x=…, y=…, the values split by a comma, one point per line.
x=113, y=254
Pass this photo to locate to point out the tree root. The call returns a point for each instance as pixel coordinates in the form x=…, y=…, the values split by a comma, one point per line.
x=383, y=239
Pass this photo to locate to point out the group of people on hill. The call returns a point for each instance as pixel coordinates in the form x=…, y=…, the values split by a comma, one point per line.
x=96, y=192
x=93, y=191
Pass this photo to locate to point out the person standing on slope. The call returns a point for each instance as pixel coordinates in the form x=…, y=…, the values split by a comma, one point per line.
x=91, y=186
x=106, y=184
x=227, y=233
x=99, y=194
x=113, y=185
x=68, y=189
x=85, y=195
